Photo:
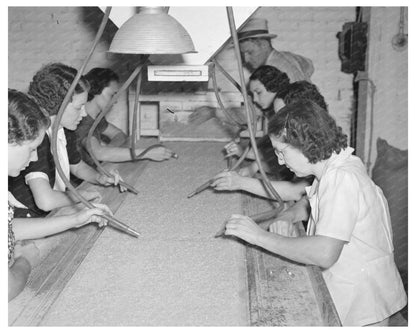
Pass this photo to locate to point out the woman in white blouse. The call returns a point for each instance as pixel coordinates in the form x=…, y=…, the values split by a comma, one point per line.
x=349, y=231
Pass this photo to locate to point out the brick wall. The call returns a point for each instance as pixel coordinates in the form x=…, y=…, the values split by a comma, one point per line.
x=388, y=69
x=40, y=35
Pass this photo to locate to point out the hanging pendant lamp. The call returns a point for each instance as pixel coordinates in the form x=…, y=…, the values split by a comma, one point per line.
x=152, y=31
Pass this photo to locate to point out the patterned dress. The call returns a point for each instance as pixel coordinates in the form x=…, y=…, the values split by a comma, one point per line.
x=11, y=235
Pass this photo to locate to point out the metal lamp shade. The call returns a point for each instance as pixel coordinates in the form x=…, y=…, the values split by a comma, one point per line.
x=152, y=31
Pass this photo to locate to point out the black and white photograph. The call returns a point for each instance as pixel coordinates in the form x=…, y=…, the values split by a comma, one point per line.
x=208, y=165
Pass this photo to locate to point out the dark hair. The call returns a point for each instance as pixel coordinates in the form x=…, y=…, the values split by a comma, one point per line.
x=302, y=90
x=99, y=78
x=51, y=83
x=310, y=129
x=273, y=80
x=26, y=118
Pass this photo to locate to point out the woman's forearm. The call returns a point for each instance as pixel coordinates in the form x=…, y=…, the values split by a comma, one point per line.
x=111, y=153
x=56, y=199
x=114, y=154
x=286, y=190
x=311, y=250
x=47, y=198
x=83, y=171
x=114, y=133
x=118, y=140
x=33, y=228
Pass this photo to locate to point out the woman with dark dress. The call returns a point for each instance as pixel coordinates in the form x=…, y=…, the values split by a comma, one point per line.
x=27, y=126
x=40, y=188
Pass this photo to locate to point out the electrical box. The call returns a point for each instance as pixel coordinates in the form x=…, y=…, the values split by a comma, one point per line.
x=177, y=73
x=149, y=119
x=353, y=46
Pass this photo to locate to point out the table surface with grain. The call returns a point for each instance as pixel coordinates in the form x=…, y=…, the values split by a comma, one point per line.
x=176, y=273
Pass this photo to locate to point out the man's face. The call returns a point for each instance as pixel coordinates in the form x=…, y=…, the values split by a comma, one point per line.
x=254, y=53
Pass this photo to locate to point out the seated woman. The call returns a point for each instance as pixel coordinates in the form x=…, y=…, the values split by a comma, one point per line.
x=270, y=90
x=27, y=127
x=349, y=230
x=107, y=139
x=297, y=91
x=40, y=188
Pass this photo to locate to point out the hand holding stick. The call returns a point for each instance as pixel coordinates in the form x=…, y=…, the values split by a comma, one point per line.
x=264, y=220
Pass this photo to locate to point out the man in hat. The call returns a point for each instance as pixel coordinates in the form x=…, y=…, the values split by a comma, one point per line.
x=256, y=50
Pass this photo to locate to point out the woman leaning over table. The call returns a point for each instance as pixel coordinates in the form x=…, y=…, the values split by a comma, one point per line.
x=27, y=125
x=349, y=231
x=40, y=188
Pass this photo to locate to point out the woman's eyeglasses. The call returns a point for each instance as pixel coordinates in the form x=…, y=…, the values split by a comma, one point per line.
x=279, y=153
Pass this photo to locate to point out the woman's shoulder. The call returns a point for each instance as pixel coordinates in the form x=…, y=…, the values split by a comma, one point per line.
x=44, y=161
x=86, y=123
x=350, y=172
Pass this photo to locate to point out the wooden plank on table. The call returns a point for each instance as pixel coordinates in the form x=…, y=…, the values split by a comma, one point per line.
x=65, y=262
x=68, y=250
x=326, y=305
x=282, y=292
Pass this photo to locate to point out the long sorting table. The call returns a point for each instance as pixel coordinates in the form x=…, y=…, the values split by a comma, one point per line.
x=176, y=273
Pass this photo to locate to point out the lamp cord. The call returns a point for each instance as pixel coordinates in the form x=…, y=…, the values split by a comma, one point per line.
x=220, y=103
x=266, y=181
x=101, y=116
x=112, y=221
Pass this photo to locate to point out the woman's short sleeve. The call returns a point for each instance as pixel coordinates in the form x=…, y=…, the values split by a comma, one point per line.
x=338, y=204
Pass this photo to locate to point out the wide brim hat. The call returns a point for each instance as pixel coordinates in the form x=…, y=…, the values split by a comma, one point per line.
x=255, y=28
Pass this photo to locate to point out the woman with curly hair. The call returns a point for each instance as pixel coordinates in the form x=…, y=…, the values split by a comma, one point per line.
x=270, y=89
x=349, y=231
x=27, y=125
x=40, y=188
x=108, y=142
x=303, y=90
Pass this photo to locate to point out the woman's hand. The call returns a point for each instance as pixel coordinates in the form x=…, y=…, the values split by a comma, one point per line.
x=243, y=227
x=88, y=215
x=28, y=250
x=249, y=170
x=114, y=180
x=233, y=149
x=284, y=224
x=244, y=172
x=159, y=154
x=227, y=181
x=283, y=228
x=201, y=114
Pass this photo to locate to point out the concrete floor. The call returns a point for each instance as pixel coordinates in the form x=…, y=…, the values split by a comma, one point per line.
x=176, y=273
